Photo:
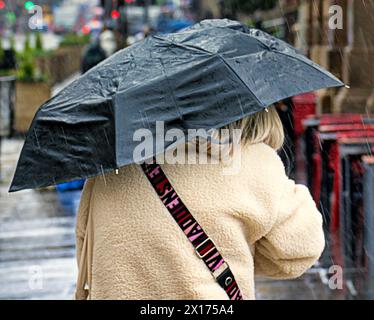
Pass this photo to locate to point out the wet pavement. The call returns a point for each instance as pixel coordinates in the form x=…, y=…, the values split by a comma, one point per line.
x=37, y=245
x=37, y=241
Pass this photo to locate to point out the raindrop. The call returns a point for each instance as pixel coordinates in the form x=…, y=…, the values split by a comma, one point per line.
x=102, y=173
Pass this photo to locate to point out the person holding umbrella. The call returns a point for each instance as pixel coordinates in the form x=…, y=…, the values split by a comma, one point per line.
x=148, y=230
x=260, y=220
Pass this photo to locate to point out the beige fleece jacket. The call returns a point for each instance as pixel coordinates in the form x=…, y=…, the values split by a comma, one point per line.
x=129, y=247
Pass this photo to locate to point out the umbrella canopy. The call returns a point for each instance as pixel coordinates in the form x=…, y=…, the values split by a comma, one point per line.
x=209, y=75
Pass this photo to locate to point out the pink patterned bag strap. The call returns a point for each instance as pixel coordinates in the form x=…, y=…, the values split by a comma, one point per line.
x=204, y=246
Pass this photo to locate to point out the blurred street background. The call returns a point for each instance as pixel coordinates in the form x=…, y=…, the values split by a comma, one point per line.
x=46, y=44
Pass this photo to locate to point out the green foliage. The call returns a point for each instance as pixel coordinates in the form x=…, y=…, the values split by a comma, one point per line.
x=38, y=42
x=44, y=53
x=250, y=6
x=27, y=46
x=72, y=39
x=2, y=54
x=39, y=50
x=27, y=70
x=26, y=67
x=12, y=42
x=6, y=72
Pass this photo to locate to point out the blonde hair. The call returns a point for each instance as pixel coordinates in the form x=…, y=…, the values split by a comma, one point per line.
x=264, y=126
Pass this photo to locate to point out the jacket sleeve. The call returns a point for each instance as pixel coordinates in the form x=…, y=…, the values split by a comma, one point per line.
x=296, y=239
x=82, y=215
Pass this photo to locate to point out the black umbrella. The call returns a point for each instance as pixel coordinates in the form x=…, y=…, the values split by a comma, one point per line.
x=214, y=73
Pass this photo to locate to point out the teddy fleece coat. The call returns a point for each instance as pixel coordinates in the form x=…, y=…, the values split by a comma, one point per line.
x=129, y=247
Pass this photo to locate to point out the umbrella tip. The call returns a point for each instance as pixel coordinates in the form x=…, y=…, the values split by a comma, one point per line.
x=12, y=188
x=347, y=86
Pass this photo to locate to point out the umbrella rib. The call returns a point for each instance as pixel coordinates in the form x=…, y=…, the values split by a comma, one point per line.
x=310, y=65
x=184, y=46
x=170, y=90
x=290, y=56
x=217, y=55
x=254, y=38
x=240, y=79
